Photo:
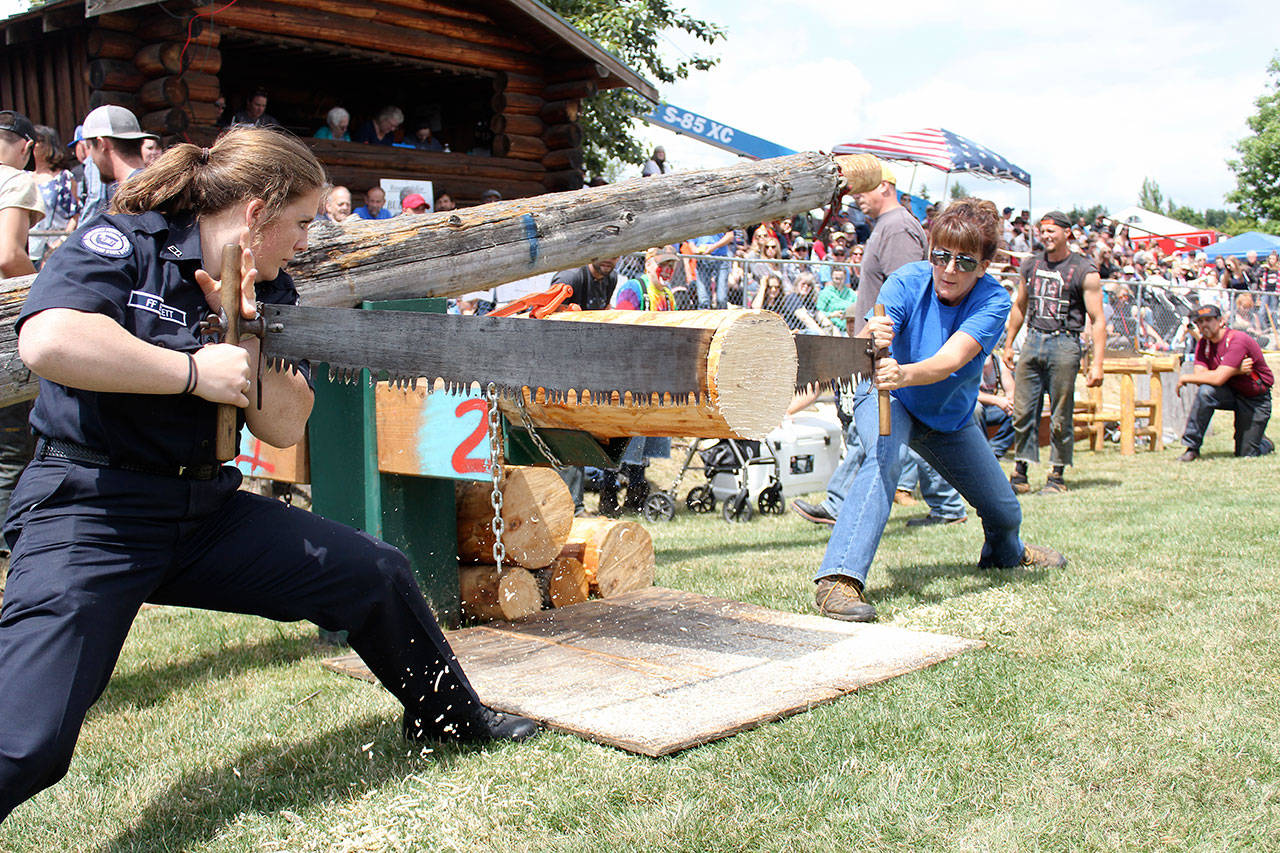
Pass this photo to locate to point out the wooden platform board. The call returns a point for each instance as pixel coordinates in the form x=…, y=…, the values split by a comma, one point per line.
x=657, y=670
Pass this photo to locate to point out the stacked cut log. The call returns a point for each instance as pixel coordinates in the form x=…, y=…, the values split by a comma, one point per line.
x=139, y=63
x=562, y=103
x=552, y=559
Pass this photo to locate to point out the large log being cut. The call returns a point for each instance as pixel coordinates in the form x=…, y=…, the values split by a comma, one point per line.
x=747, y=379
x=447, y=254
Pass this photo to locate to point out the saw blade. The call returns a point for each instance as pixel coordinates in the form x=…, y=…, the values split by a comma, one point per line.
x=831, y=362
x=655, y=365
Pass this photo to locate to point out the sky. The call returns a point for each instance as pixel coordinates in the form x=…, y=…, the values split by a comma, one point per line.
x=1090, y=98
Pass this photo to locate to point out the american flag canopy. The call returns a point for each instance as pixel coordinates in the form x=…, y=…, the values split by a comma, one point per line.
x=941, y=149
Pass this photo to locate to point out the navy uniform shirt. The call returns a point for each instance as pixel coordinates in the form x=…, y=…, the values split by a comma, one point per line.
x=139, y=270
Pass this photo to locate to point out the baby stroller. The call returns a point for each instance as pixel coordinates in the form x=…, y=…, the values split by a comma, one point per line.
x=742, y=474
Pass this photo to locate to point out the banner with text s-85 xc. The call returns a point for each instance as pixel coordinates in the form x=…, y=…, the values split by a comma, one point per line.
x=713, y=133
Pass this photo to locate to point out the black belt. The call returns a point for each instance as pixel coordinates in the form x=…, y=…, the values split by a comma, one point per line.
x=1052, y=332
x=52, y=448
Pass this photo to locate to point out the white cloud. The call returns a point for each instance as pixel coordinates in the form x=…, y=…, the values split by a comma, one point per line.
x=1089, y=101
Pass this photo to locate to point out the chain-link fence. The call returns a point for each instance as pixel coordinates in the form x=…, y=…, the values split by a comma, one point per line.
x=1153, y=317
x=810, y=295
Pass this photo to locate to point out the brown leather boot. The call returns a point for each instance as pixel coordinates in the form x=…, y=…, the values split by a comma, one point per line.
x=840, y=597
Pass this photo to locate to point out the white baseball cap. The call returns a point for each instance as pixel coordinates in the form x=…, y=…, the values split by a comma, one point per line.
x=114, y=121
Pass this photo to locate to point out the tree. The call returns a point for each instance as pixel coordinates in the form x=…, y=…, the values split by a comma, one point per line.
x=1257, y=171
x=631, y=30
x=958, y=191
x=1088, y=214
x=1150, y=198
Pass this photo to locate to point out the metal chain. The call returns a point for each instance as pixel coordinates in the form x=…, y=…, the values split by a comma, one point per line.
x=533, y=434
x=496, y=471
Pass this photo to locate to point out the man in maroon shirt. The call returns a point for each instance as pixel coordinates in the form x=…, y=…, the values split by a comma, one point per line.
x=1232, y=375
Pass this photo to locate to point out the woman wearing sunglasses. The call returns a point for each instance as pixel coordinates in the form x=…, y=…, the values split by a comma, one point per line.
x=944, y=317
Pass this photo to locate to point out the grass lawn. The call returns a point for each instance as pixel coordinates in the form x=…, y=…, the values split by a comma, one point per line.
x=1131, y=701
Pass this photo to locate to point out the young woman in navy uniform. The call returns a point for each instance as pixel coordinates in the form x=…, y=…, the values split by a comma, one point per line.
x=125, y=504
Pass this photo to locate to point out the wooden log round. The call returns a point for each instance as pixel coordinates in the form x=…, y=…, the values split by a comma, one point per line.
x=564, y=582
x=167, y=121
x=108, y=44
x=570, y=90
x=616, y=555
x=563, y=136
x=163, y=92
x=203, y=114
x=537, y=512
x=517, y=102
x=565, y=180
x=519, y=147
x=115, y=74
x=748, y=382
x=161, y=58
x=518, y=124
x=103, y=97
x=202, y=87
x=507, y=81
x=489, y=595
x=561, y=112
x=564, y=159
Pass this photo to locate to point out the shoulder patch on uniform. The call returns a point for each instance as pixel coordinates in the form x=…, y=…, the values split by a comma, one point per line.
x=108, y=241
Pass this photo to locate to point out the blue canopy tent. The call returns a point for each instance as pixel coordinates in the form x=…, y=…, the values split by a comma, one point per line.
x=1243, y=244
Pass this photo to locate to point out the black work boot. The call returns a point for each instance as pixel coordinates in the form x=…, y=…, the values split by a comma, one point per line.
x=637, y=488
x=488, y=725
x=609, y=494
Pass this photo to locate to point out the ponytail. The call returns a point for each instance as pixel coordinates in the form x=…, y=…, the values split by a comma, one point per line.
x=244, y=163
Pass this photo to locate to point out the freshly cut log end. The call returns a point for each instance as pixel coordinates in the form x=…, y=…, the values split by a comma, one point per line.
x=537, y=513
x=861, y=172
x=748, y=384
x=488, y=594
x=616, y=556
x=753, y=361
x=567, y=582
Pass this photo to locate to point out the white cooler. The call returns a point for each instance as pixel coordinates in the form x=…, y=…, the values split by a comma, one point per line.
x=808, y=446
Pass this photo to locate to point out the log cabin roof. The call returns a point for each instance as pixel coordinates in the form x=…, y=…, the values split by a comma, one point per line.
x=528, y=19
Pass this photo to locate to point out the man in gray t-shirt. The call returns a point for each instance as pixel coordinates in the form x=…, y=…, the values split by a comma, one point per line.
x=896, y=240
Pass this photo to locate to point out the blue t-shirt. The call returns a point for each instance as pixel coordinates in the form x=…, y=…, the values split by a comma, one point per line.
x=363, y=213
x=711, y=240
x=922, y=324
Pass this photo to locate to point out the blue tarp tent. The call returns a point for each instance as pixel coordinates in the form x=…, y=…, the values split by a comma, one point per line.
x=1243, y=244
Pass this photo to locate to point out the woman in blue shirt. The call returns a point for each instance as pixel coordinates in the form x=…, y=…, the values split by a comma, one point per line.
x=943, y=318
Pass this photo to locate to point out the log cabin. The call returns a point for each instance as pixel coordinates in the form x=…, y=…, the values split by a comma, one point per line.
x=499, y=81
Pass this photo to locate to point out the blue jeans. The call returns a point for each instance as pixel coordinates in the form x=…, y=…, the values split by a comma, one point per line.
x=1049, y=362
x=993, y=416
x=713, y=273
x=961, y=457
x=1251, y=417
x=943, y=500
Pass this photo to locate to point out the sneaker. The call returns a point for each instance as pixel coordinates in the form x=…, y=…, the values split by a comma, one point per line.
x=1040, y=557
x=817, y=513
x=490, y=725
x=931, y=519
x=1020, y=483
x=1189, y=455
x=1053, y=486
x=840, y=597
x=903, y=498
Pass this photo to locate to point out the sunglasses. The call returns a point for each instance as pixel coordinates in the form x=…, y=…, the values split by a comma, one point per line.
x=964, y=263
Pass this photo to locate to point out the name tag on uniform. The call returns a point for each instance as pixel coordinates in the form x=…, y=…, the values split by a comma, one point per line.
x=154, y=304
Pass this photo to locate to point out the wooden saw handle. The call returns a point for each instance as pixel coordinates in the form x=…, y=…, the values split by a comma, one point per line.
x=228, y=436
x=886, y=418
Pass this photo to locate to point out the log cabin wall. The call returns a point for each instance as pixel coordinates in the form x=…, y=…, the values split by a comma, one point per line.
x=505, y=105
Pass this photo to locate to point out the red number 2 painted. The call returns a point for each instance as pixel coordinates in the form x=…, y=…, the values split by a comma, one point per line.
x=462, y=461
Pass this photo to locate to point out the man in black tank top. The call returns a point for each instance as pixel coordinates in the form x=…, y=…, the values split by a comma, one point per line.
x=1057, y=289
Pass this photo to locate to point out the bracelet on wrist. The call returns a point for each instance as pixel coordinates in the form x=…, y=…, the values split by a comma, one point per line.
x=193, y=375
